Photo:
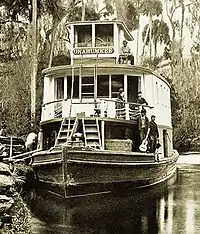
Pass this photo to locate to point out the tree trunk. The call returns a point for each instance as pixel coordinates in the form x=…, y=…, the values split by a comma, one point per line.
x=145, y=41
x=34, y=58
x=150, y=36
x=155, y=48
x=137, y=44
x=181, y=33
x=52, y=43
x=83, y=10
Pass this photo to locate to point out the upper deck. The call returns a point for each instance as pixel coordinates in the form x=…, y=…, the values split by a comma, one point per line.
x=96, y=74
x=97, y=39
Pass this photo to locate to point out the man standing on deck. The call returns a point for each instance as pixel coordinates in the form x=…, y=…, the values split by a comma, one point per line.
x=153, y=134
x=121, y=95
x=140, y=99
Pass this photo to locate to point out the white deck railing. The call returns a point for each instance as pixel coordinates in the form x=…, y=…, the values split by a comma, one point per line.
x=109, y=108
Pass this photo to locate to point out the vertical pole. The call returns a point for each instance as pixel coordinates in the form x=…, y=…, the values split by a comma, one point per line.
x=80, y=82
x=34, y=57
x=83, y=10
x=95, y=79
x=64, y=169
x=103, y=134
x=11, y=146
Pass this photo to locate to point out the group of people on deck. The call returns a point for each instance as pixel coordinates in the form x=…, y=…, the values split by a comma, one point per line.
x=147, y=129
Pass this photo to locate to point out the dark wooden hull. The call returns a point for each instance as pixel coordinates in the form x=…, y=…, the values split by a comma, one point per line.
x=75, y=173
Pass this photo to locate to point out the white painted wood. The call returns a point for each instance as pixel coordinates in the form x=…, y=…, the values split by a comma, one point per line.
x=93, y=35
x=103, y=134
x=110, y=87
x=125, y=87
x=72, y=40
x=65, y=87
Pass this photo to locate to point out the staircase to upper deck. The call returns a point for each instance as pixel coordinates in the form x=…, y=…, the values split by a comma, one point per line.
x=91, y=133
x=67, y=129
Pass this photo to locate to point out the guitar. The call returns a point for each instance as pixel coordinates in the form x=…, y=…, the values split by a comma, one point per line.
x=143, y=146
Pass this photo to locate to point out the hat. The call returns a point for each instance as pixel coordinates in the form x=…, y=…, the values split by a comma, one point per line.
x=121, y=90
x=139, y=92
x=125, y=41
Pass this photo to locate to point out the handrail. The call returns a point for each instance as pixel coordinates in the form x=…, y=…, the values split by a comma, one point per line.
x=104, y=99
x=107, y=107
x=55, y=101
x=130, y=103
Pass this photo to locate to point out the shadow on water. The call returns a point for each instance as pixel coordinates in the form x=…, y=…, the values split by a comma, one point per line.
x=144, y=211
x=164, y=209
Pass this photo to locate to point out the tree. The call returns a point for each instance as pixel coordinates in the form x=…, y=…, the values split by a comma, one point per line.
x=150, y=8
x=160, y=34
x=127, y=11
x=193, y=20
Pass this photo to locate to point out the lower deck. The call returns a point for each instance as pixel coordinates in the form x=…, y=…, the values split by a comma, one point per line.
x=117, y=135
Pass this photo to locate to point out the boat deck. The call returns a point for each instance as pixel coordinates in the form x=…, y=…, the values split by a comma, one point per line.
x=94, y=157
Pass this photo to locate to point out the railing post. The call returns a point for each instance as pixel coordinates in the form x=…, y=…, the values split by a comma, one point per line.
x=63, y=108
x=127, y=111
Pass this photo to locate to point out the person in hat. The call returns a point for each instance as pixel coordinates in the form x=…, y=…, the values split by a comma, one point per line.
x=140, y=99
x=126, y=53
x=121, y=95
x=3, y=129
x=120, y=103
x=143, y=125
x=153, y=134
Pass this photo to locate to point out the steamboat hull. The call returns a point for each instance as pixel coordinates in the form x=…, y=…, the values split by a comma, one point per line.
x=84, y=173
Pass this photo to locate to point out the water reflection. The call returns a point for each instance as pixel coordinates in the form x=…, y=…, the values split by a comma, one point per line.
x=165, y=209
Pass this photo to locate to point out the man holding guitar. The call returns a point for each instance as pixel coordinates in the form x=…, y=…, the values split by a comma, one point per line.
x=143, y=126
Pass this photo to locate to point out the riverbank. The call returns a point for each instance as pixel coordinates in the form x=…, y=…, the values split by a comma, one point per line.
x=189, y=161
x=14, y=215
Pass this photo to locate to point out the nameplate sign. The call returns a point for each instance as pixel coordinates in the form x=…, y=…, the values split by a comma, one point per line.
x=96, y=50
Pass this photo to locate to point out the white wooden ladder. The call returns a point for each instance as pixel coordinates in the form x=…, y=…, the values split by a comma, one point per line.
x=91, y=133
x=67, y=129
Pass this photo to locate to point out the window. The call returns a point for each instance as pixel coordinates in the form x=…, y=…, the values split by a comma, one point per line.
x=76, y=87
x=103, y=86
x=104, y=35
x=117, y=82
x=59, y=87
x=84, y=34
x=87, y=87
x=132, y=88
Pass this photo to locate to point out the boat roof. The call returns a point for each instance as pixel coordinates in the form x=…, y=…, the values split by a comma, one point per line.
x=127, y=33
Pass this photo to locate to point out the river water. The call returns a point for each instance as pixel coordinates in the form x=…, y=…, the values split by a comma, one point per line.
x=165, y=209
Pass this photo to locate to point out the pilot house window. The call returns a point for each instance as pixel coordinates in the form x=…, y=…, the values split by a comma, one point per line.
x=84, y=35
x=104, y=35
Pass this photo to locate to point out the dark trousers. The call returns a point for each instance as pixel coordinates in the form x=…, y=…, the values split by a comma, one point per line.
x=152, y=143
x=125, y=58
x=143, y=133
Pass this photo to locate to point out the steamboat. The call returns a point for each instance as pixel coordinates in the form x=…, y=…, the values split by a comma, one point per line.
x=89, y=139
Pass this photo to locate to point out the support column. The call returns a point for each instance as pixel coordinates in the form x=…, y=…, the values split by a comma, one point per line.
x=125, y=87
x=103, y=134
